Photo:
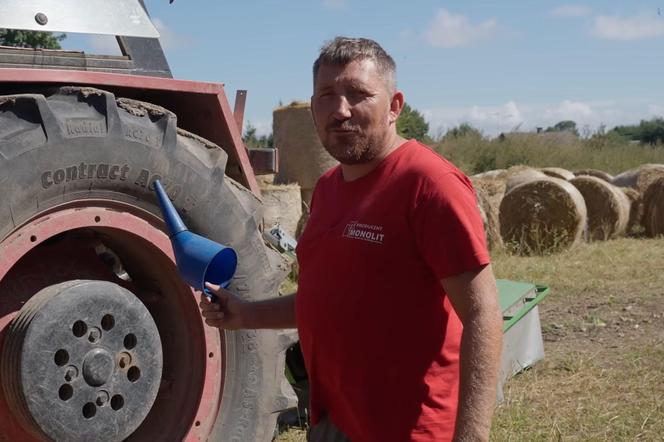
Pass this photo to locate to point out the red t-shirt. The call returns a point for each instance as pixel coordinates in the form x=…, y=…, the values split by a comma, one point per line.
x=379, y=337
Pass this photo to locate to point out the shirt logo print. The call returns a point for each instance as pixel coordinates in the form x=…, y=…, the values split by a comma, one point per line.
x=366, y=232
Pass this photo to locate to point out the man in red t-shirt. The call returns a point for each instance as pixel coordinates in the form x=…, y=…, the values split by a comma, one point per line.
x=396, y=308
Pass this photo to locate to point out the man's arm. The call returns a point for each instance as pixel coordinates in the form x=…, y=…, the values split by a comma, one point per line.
x=231, y=312
x=475, y=299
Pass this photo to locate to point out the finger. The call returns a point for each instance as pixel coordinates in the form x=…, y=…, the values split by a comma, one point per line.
x=213, y=315
x=222, y=294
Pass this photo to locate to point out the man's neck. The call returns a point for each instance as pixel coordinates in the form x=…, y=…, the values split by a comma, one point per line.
x=351, y=172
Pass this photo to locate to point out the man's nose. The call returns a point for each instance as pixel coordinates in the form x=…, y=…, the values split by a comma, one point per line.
x=342, y=109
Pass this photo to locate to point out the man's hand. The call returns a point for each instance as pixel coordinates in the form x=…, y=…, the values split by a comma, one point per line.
x=229, y=311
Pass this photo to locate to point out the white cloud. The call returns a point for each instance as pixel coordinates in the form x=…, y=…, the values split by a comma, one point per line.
x=636, y=27
x=656, y=110
x=492, y=120
x=449, y=30
x=566, y=11
x=334, y=4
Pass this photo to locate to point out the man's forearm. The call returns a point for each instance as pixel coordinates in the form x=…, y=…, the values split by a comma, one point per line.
x=481, y=345
x=272, y=313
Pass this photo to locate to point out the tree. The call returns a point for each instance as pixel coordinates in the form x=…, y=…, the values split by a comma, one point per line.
x=464, y=130
x=564, y=126
x=252, y=141
x=647, y=132
x=411, y=124
x=31, y=39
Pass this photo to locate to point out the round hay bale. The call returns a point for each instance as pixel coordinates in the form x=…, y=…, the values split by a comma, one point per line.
x=540, y=217
x=489, y=194
x=596, y=173
x=635, y=223
x=282, y=204
x=302, y=157
x=653, y=208
x=639, y=178
x=490, y=174
x=607, y=207
x=557, y=172
x=521, y=176
x=489, y=208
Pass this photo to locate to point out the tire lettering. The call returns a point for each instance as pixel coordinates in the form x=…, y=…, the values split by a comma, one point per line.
x=113, y=173
x=58, y=176
x=143, y=178
x=102, y=171
x=46, y=180
x=84, y=171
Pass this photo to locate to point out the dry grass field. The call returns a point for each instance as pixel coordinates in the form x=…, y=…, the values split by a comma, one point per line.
x=602, y=378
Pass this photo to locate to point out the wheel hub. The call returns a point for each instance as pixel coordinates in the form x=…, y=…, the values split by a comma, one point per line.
x=82, y=361
x=97, y=367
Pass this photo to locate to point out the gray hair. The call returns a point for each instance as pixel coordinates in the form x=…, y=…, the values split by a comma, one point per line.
x=343, y=50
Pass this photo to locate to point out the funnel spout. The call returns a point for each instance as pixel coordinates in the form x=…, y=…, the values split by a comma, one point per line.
x=173, y=221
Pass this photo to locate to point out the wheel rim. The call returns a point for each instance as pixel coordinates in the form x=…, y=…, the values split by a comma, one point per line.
x=66, y=237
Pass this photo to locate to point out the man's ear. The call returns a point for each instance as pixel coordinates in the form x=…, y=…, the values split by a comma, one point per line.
x=396, y=105
x=311, y=108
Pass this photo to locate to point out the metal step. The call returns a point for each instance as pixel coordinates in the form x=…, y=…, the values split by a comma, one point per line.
x=58, y=59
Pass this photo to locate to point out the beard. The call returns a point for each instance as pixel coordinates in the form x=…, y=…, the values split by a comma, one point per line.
x=351, y=147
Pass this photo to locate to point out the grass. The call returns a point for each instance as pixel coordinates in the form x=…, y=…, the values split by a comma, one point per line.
x=602, y=378
x=603, y=327
x=475, y=154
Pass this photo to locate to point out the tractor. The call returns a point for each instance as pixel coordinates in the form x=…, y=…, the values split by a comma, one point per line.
x=99, y=337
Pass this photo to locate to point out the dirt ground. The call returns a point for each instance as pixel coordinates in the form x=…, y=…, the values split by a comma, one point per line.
x=602, y=378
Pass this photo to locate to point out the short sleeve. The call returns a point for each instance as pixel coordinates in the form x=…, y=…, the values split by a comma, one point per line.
x=448, y=227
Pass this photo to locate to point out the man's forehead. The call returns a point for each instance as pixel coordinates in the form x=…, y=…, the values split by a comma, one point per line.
x=354, y=71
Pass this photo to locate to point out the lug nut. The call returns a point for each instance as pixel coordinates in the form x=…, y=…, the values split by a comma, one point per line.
x=102, y=398
x=71, y=373
x=95, y=335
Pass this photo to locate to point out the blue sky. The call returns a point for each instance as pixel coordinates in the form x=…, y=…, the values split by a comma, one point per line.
x=497, y=65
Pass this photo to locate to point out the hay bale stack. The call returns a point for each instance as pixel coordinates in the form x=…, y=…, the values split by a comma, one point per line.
x=607, y=207
x=557, y=172
x=282, y=204
x=520, y=175
x=543, y=216
x=596, y=173
x=635, y=223
x=653, y=208
x=640, y=177
x=489, y=194
x=302, y=157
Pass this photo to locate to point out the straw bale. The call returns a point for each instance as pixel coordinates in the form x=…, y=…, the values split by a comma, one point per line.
x=488, y=200
x=607, y=207
x=635, y=223
x=594, y=172
x=490, y=174
x=282, y=204
x=543, y=216
x=640, y=177
x=557, y=172
x=517, y=176
x=302, y=157
x=653, y=208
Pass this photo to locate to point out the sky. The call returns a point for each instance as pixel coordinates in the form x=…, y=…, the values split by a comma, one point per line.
x=500, y=66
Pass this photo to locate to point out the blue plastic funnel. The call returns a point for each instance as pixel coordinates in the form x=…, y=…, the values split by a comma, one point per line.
x=199, y=260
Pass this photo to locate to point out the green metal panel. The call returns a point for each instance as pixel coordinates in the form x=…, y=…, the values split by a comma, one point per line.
x=517, y=299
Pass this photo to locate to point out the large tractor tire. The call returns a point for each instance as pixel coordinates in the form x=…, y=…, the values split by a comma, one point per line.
x=81, y=240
